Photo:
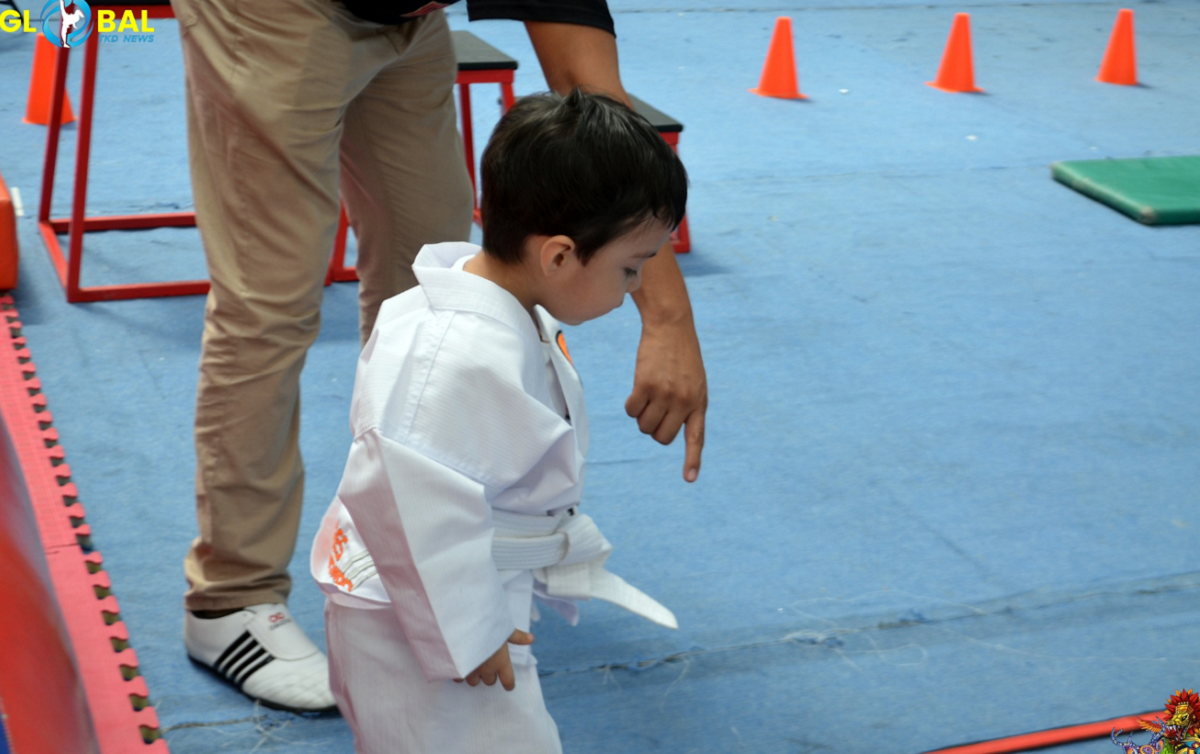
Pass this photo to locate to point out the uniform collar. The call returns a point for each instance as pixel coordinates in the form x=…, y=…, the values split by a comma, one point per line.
x=448, y=286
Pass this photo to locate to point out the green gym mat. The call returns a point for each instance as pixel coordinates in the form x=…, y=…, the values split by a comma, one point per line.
x=1151, y=190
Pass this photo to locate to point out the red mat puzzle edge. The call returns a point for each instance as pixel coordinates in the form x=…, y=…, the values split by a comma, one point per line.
x=117, y=695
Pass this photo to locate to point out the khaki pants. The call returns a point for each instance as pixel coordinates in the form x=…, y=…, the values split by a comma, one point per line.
x=288, y=100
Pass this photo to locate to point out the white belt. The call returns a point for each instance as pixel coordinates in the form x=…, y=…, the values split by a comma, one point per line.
x=566, y=553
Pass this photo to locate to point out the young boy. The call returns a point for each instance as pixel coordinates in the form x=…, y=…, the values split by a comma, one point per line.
x=460, y=498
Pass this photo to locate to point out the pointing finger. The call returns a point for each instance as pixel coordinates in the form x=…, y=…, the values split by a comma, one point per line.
x=694, y=434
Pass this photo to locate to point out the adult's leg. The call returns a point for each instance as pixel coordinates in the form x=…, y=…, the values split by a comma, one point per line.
x=267, y=85
x=403, y=177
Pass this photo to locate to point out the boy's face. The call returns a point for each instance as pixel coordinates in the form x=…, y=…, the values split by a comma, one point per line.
x=577, y=293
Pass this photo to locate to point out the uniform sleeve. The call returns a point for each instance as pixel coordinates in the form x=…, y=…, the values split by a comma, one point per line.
x=581, y=12
x=483, y=411
x=449, y=425
x=429, y=531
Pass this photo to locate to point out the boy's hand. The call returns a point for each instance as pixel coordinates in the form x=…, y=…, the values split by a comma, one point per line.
x=498, y=665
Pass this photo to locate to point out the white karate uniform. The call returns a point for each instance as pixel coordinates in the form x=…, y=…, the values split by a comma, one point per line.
x=458, y=503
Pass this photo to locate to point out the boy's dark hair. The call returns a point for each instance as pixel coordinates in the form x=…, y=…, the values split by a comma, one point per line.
x=583, y=166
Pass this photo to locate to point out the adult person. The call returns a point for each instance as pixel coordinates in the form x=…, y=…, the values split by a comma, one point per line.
x=289, y=104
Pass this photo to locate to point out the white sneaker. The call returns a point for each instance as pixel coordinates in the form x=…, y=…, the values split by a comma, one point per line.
x=261, y=650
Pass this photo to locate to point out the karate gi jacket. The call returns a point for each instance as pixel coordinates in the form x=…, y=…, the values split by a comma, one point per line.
x=460, y=406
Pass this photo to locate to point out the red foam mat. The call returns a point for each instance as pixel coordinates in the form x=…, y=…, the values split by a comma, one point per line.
x=107, y=669
x=1053, y=737
x=41, y=696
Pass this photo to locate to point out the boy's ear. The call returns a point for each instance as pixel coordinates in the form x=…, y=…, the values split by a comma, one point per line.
x=554, y=252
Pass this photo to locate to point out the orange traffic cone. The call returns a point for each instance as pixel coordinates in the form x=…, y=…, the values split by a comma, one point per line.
x=9, y=254
x=1120, y=61
x=779, y=73
x=41, y=86
x=957, y=73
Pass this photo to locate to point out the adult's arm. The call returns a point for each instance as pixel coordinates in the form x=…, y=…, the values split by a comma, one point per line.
x=670, y=389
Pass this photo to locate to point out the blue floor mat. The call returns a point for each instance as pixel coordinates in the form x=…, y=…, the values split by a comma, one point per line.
x=952, y=478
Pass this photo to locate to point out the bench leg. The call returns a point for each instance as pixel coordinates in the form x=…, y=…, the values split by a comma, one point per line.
x=83, y=152
x=468, y=137
x=681, y=240
x=58, y=97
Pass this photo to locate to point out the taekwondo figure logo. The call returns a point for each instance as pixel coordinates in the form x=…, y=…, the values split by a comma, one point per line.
x=66, y=28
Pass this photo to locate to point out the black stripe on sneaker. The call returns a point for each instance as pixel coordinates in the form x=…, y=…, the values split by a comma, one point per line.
x=227, y=669
x=235, y=673
x=232, y=649
x=242, y=659
x=246, y=676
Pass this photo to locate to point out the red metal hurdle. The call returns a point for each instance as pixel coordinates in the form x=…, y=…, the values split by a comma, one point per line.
x=478, y=63
x=68, y=266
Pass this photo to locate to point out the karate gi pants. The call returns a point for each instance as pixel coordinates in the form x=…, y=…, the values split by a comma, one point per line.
x=288, y=100
x=392, y=709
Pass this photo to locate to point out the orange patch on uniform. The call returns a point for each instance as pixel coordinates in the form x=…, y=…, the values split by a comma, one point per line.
x=562, y=343
x=339, y=578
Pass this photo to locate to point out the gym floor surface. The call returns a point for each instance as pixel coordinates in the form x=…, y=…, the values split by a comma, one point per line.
x=951, y=488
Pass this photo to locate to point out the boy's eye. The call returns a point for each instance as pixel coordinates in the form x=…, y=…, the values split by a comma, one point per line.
x=630, y=273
